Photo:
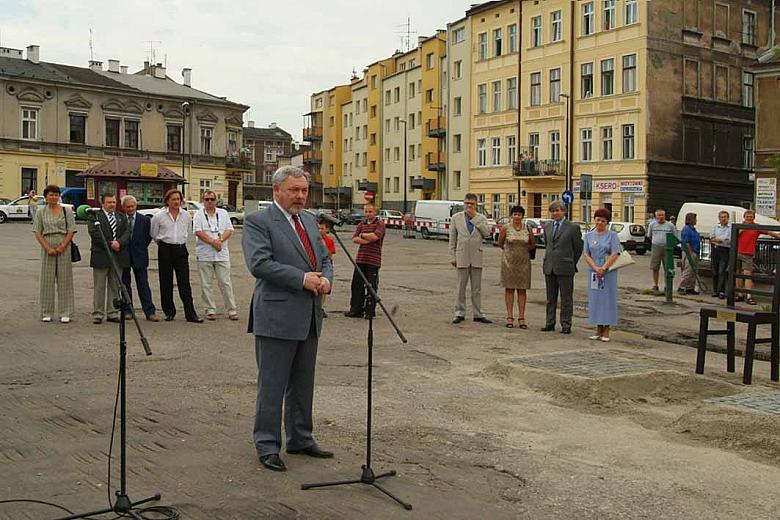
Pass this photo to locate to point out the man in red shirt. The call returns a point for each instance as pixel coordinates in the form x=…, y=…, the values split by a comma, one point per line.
x=369, y=235
x=746, y=250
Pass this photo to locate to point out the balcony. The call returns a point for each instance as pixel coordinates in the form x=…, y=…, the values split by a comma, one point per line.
x=312, y=157
x=312, y=133
x=371, y=187
x=423, y=184
x=436, y=127
x=527, y=166
x=236, y=161
x=436, y=161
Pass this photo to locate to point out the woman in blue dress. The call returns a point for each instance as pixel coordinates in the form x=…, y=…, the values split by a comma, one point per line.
x=602, y=248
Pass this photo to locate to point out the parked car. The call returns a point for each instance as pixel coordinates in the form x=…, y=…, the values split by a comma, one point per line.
x=391, y=215
x=4, y=201
x=631, y=235
x=19, y=209
x=190, y=205
x=354, y=216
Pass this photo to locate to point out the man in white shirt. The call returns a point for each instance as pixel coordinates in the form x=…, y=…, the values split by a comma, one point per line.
x=170, y=228
x=213, y=228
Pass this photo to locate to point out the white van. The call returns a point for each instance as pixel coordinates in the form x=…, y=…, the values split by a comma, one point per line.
x=707, y=216
x=262, y=204
x=432, y=217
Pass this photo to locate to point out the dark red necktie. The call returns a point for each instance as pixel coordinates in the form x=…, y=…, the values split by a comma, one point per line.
x=305, y=241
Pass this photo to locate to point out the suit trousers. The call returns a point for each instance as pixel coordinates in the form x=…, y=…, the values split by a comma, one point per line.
x=466, y=274
x=357, y=302
x=172, y=259
x=720, y=268
x=285, y=379
x=208, y=270
x=104, y=281
x=142, y=283
x=565, y=286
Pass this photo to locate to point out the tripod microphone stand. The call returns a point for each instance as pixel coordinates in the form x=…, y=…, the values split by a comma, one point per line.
x=123, y=505
x=367, y=476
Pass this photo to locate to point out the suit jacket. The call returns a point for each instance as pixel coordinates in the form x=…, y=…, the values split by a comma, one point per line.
x=465, y=247
x=99, y=256
x=140, y=238
x=281, y=308
x=563, y=251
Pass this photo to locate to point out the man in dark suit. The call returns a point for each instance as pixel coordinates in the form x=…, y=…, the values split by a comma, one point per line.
x=563, y=250
x=140, y=238
x=284, y=252
x=116, y=231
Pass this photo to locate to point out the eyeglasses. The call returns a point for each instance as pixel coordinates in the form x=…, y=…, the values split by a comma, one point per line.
x=210, y=199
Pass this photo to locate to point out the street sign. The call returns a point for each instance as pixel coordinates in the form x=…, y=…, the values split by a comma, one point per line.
x=586, y=186
x=567, y=197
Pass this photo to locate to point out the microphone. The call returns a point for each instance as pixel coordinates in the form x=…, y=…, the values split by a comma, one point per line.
x=325, y=217
x=83, y=211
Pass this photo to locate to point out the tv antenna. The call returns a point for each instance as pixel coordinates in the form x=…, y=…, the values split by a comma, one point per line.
x=152, y=51
x=406, y=33
x=91, y=46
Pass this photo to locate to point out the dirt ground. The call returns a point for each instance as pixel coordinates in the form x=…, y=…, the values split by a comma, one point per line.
x=480, y=421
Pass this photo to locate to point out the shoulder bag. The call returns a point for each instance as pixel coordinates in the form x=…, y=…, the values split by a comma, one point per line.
x=532, y=251
x=75, y=253
x=623, y=259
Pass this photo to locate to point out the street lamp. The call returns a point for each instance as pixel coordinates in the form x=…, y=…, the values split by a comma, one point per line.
x=185, y=106
x=405, y=164
x=566, y=154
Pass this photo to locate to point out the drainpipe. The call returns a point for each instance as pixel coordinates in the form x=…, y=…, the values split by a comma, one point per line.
x=772, y=27
x=519, y=147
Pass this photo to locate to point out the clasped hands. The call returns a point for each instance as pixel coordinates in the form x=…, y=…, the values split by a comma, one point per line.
x=316, y=283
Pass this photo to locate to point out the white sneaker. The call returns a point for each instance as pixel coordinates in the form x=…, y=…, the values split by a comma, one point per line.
x=65, y=319
x=605, y=340
x=46, y=319
x=595, y=338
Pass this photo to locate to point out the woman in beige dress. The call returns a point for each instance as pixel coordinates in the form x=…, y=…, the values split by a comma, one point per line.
x=517, y=241
x=54, y=228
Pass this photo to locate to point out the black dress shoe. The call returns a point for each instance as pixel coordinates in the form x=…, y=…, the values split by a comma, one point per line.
x=195, y=319
x=566, y=330
x=548, y=328
x=351, y=314
x=313, y=451
x=458, y=319
x=168, y=317
x=273, y=462
x=113, y=319
x=482, y=320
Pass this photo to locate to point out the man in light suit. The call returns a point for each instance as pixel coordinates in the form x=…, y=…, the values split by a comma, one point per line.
x=562, y=252
x=140, y=238
x=284, y=252
x=467, y=230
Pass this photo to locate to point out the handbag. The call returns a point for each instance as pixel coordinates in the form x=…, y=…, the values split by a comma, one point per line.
x=75, y=253
x=623, y=259
x=532, y=251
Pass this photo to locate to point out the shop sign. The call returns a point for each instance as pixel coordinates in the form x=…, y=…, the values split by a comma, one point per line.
x=148, y=170
x=766, y=196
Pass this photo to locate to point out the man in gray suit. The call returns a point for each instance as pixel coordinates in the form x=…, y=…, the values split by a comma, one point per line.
x=467, y=230
x=116, y=230
x=563, y=251
x=284, y=252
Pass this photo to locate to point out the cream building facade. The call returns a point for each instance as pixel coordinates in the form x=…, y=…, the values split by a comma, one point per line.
x=457, y=100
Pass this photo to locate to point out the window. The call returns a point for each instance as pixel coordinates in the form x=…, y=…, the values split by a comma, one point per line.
x=332, y=121
x=457, y=143
x=29, y=179
x=511, y=149
x=173, y=138
x=206, y=135
x=721, y=83
x=411, y=152
x=749, y=28
x=396, y=154
x=372, y=140
x=586, y=75
x=411, y=90
x=411, y=121
x=372, y=167
x=78, y=128
x=511, y=93
x=396, y=94
x=533, y=145
x=497, y=42
x=481, y=153
x=458, y=69
x=365, y=105
x=629, y=73
x=536, y=88
x=388, y=97
x=606, y=143
x=387, y=185
x=112, y=132
x=396, y=123
x=512, y=31
x=608, y=15
x=429, y=95
x=632, y=16
x=373, y=82
x=482, y=97
x=29, y=123
x=721, y=20
x=346, y=121
x=459, y=35
x=131, y=134
x=496, y=151
x=346, y=145
x=555, y=85
x=555, y=146
x=588, y=22
x=387, y=126
x=747, y=89
x=556, y=33
x=373, y=111
x=457, y=179
x=691, y=77
x=457, y=108
x=483, y=46
x=747, y=152
x=628, y=141
x=607, y=77
x=536, y=31
x=496, y=96
x=396, y=184
x=429, y=60
x=586, y=141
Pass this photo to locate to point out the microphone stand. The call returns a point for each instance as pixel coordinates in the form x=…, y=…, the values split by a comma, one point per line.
x=123, y=505
x=372, y=300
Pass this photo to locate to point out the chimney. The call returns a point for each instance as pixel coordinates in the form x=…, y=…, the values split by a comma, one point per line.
x=147, y=70
x=113, y=65
x=159, y=71
x=272, y=125
x=187, y=75
x=251, y=124
x=33, y=53
x=96, y=65
x=123, y=69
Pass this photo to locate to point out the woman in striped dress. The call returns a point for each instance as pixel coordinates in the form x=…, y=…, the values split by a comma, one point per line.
x=54, y=228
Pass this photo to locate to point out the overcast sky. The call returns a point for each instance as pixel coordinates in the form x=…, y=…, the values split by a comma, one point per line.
x=268, y=55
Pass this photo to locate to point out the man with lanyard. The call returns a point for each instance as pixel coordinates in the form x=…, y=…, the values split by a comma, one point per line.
x=369, y=235
x=719, y=254
x=170, y=229
x=657, y=231
x=746, y=251
x=213, y=228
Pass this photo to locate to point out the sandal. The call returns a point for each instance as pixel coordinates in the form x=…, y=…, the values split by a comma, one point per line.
x=521, y=324
x=750, y=301
x=510, y=323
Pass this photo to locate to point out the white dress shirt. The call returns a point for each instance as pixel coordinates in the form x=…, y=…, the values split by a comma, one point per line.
x=165, y=229
x=214, y=226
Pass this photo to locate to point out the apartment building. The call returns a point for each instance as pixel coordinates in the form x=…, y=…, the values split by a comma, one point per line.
x=767, y=157
x=457, y=100
x=267, y=150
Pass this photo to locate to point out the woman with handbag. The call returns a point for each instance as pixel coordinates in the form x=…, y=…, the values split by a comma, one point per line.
x=517, y=241
x=54, y=228
x=602, y=249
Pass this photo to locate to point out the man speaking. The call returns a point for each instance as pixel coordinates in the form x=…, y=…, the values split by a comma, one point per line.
x=283, y=251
